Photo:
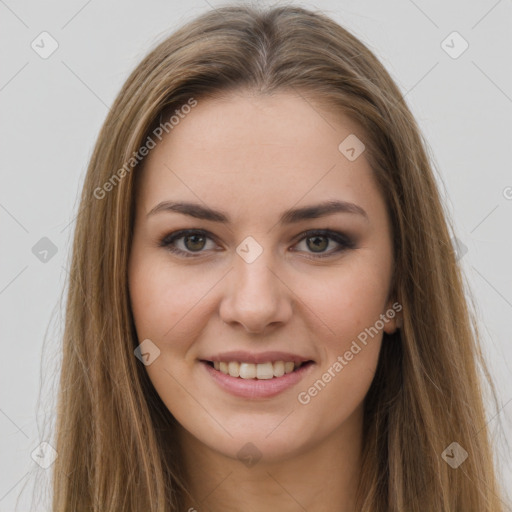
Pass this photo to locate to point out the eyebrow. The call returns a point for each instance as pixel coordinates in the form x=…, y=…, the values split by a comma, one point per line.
x=290, y=216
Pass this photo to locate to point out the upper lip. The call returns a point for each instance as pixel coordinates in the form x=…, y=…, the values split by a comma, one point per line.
x=255, y=358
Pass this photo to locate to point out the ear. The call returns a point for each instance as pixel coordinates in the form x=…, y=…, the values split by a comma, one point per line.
x=392, y=316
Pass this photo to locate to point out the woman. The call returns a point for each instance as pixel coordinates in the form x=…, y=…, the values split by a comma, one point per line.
x=265, y=310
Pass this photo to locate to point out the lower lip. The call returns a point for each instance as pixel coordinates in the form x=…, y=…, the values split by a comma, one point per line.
x=257, y=388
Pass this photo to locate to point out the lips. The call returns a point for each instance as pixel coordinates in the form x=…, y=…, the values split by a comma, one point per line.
x=262, y=371
x=252, y=357
x=265, y=365
x=263, y=386
x=253, y=375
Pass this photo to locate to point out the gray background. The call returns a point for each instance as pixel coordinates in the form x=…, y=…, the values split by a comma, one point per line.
x=52, y=110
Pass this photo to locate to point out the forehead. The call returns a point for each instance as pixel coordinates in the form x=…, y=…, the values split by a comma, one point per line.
x=256, y=154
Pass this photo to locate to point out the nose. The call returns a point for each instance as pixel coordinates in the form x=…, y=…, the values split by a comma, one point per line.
x=256, y=297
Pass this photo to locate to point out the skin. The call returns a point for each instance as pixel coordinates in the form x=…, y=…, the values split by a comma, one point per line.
x=253, y=157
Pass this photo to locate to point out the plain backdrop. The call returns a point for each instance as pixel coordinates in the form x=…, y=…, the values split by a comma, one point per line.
x=52, y=109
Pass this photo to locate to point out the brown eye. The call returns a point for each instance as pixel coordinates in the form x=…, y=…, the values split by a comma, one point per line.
x=190, y=242
x=195, y=242
x=317, y=243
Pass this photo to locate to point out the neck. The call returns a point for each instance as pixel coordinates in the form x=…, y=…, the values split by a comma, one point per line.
x=319, y=478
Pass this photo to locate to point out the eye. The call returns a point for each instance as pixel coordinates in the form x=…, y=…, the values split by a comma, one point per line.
x=318, y=241
x=195, y=240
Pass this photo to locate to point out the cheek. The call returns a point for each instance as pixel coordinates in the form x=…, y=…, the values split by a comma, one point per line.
x=166, y=301
x=347, y=300
x=350, y=348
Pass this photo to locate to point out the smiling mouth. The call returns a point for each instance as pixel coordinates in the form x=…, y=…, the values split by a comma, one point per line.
x=259, y=371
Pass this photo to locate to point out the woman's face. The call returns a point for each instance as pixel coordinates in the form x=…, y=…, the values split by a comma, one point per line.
x=250, y=175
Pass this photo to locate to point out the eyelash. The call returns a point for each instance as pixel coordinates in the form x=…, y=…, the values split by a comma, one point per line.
x=342, y=239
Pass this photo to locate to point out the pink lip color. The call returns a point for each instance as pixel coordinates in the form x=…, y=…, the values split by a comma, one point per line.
x=249, y=357
x=256, y=388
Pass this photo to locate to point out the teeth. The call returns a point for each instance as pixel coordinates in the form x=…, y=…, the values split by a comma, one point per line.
x=278, y=368
x=264, y=371
x=234, y=369
x=247, y=370
x=255, y=371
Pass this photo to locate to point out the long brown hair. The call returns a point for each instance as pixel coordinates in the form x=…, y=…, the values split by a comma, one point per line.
x=114, y=434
